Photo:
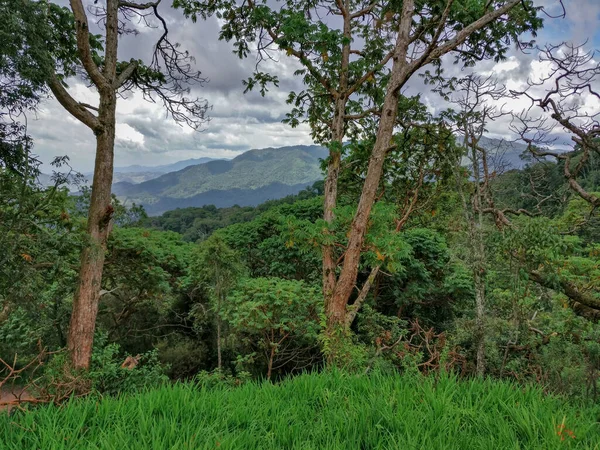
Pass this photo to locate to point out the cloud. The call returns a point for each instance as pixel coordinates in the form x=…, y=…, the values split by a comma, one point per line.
x=238, y=121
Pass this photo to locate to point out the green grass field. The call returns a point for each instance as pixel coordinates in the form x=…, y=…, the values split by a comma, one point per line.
x=318, y=411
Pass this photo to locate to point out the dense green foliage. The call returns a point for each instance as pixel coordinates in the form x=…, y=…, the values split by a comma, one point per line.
x=159, y=292
x=471, y=305
x=276, y=321
x=199, y=223
x=326, y=411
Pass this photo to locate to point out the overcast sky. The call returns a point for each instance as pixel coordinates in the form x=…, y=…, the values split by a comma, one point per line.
x=240, y=122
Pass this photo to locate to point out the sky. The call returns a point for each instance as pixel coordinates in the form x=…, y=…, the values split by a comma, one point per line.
x=238, y=121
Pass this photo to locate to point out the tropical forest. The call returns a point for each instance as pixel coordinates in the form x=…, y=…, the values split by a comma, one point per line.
x=299, y=224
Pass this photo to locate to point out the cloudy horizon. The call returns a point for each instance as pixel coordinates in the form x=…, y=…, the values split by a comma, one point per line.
x=240, y=122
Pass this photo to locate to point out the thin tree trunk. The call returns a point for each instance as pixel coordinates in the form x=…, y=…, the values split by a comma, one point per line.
x=85, y=303
x=480, y=322
x=271, y=358
x=335, y=158
x=219, y=358
x=476, y=250
x=479, y=266
x=362, y=296
x=219, y=323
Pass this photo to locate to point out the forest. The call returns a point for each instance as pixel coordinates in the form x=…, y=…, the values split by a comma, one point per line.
x=424, y=294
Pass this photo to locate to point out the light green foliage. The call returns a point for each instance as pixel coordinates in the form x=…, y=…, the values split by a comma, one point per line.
x=271, y=304
x=218, y=379
x=319, y=411
x=277, y=243
x=277, y=318
x=216, y=266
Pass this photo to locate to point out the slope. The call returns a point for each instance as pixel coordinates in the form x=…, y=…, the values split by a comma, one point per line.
x=249, y=179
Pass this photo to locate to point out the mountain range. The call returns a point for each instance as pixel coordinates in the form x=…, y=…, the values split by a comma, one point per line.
x=138, y=174
x=503, y=155
x=247, y=180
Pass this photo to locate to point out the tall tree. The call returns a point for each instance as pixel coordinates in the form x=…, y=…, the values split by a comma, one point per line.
x=217, y=267
x=354, y=66
x=475, y=98
x=166, y=79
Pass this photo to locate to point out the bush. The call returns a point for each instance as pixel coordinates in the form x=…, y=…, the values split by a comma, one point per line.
x=106, y=376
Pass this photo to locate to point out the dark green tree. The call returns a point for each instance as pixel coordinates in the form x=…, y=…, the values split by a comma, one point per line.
x=165, y=79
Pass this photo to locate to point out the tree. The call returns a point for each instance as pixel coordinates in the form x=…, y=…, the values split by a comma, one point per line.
x=354, y=69
x=280, y=317
x=572, y=73
x=475, y=112
x=142, y=274
x=24, y=66
x=216, y=266
x=39, y=241
x=38, y=238
x=165, y=79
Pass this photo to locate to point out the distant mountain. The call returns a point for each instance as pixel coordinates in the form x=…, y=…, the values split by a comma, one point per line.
x=247, y=180
x=165, y=168
x=136, y=174
x=503, y=155
x=131, y=177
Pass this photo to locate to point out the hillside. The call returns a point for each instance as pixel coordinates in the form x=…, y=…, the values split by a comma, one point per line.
x=249, y=179
x=164, y=168
x=138, y=174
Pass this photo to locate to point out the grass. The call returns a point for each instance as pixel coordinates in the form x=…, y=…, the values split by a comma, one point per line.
x=317, y=411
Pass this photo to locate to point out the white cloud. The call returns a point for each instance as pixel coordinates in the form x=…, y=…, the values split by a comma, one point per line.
x=240, y=122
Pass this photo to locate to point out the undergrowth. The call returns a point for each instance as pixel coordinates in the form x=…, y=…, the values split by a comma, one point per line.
x=331, y=410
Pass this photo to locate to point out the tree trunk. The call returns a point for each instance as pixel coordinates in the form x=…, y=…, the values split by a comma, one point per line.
x=330, y=198
x=478, y=247
x=85, y=302
x=271, y=358
x=336, y=309
x=219, y=358
x=480, y=323
x=335, y=158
